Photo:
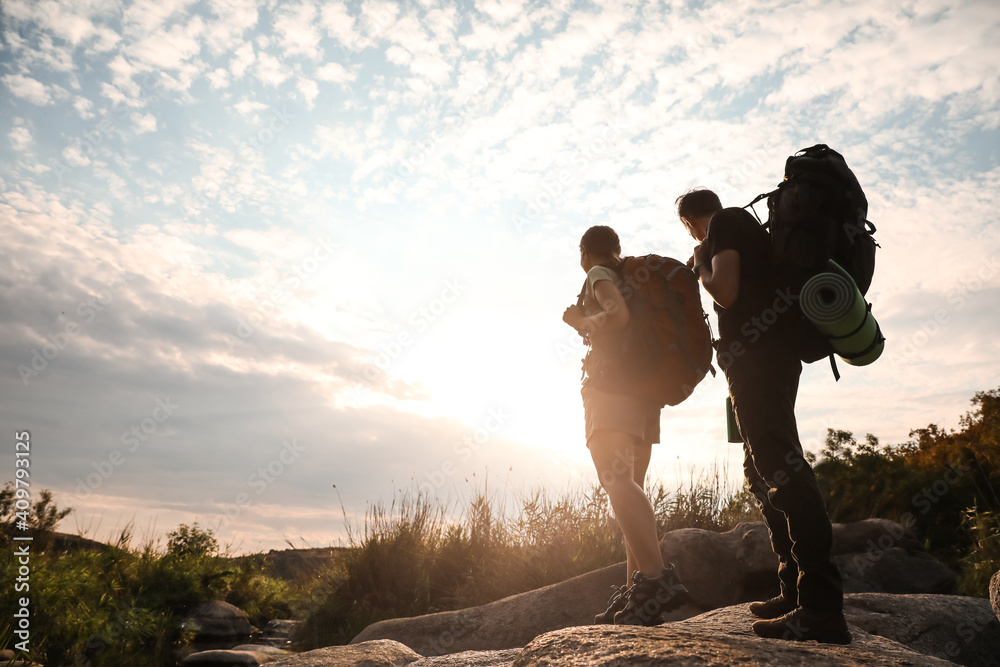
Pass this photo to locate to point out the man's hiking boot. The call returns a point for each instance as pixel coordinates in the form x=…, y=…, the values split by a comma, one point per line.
x=648, y=599
x=773, y=608
x=827, y=627
x=617, y=602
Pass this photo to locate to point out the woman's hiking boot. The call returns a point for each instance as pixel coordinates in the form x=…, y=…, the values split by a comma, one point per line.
x=649, y=599
x=617, y=602
x=773, y=608
x=827, y=627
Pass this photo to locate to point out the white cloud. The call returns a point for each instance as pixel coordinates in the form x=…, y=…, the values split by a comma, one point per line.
x=247, y=107
x=169, y=49
x=20, y=137
x=112, y=93
x=270, y=70
x=27, y=88
x=297, y=32
x=74, y=22
x=336, y=73
x=144, y=17
x=105, y=40
x=242, y=59
x=398, y=55
x=309, y=90
x=74, y=157
x=234, y=17
x=218, y=78
x=144, y=123
x=501, y=11
x=338, y=23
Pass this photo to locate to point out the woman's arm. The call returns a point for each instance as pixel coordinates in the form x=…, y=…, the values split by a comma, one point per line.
x=613, y=314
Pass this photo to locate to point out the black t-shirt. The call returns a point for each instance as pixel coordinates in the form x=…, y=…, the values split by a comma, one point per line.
x=752, y=332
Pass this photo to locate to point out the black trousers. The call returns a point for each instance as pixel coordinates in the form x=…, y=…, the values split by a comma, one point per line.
x=783, y=482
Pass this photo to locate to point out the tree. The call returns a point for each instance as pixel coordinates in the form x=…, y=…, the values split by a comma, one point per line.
x=192, y=541
x=42, y=518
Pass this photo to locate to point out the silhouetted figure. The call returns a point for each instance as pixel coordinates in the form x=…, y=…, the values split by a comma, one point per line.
x=733, y=263
x=620, y=432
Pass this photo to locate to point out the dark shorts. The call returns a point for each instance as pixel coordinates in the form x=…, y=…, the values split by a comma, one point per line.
x=616, y=412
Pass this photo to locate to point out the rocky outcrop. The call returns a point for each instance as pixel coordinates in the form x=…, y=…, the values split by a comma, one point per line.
x=880, y=556
x=227, y=658
x=503, y=658
x=7, y=659
x=724, y=638
x=719, y=569
x=953, y=627
x=217, y=622
x=995, y=594
x=915, y=630
x=378, y=653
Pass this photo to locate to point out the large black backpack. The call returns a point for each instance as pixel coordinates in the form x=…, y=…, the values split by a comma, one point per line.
x=817, y=213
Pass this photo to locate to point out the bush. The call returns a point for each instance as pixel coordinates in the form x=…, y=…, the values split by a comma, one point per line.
x=192, y=541
x=941, y=484
x=123, y=606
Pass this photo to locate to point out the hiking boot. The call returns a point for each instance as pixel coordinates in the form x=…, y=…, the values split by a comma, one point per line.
x=773, y=608
x=648, y=599
x=617, y=602
x=827, y=627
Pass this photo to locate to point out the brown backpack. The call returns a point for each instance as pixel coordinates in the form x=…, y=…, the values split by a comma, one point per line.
x=666, y=348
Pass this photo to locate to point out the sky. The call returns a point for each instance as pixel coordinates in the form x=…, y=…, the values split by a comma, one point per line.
x=268, y=263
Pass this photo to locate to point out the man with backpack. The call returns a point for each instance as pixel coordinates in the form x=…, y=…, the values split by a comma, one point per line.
x=759, y=355
x=621, y=428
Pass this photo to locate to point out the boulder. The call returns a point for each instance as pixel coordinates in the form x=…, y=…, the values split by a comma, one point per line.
x=503, y=658
x=226, y=658
x=961, y=629
x=378, y=653
x=280, y=632
x=217, y=621
x=995, y=594
x=914, y=630
x=872, y=534
x=261, y=648
x=719, y=569
x=881, y=556
x=719, y=637
x=7, y=659
x=508, y=623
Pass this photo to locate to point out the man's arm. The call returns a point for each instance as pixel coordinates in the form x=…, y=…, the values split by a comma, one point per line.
x=721, y=276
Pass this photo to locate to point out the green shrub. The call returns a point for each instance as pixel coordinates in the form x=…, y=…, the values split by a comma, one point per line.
x=123, y=606
x=983, y=559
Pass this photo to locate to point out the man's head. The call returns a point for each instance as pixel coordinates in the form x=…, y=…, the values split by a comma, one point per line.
x=695, y=208
x=599, y=244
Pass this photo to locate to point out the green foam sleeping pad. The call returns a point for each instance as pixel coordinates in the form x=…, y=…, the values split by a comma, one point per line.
x=834, y=305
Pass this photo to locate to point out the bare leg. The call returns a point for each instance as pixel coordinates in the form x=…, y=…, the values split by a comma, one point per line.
x=640, y=464
x=614, y=456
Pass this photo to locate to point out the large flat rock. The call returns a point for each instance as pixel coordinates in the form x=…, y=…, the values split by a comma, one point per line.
x=719, y=569
x=724, y=639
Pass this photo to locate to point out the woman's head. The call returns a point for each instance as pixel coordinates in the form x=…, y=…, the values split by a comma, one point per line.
x=601, y=243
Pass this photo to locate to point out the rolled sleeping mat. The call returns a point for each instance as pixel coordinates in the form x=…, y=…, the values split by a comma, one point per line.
x=834, y=305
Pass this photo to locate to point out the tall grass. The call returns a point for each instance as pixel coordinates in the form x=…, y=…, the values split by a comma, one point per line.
x=418, y=555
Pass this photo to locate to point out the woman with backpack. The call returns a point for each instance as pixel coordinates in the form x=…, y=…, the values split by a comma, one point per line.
x=620, y=431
